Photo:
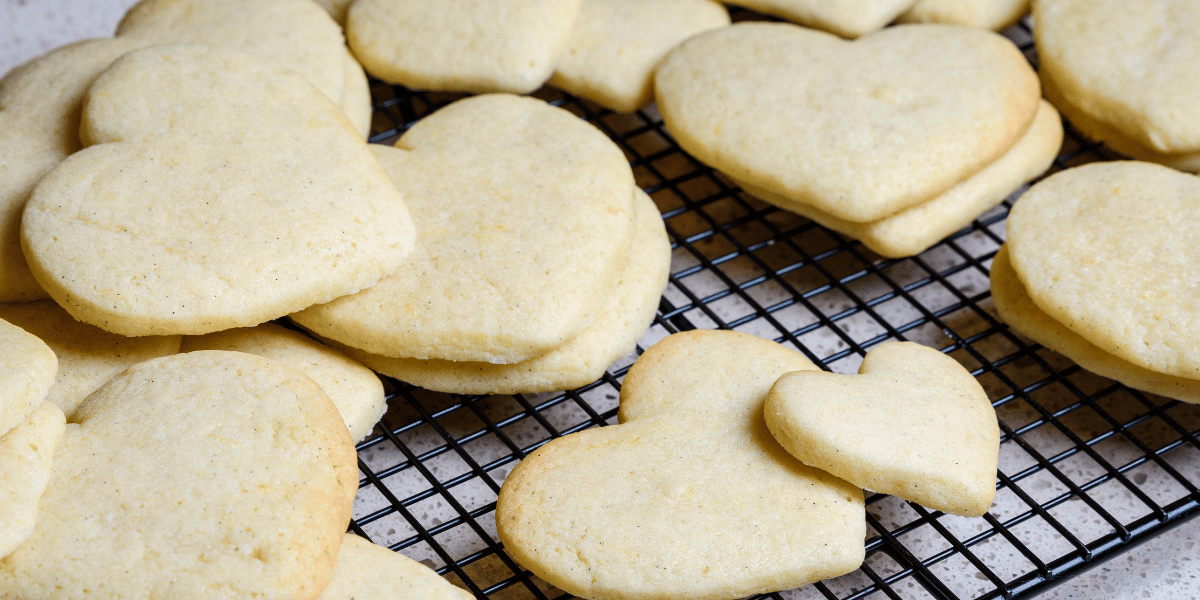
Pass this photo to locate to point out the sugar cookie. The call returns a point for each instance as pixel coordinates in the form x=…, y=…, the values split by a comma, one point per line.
x=913, y=423
x=354, y=389
x=524, y=215
x=986, y=14
x=27, y=370
x=365, y=570
x=847, y=18
x=26, y=454
x=207, y=474
x=158, y=230
x=615, y=46
x=461, y=45
x=645, y=509
x=859, y=130
x=629, y=308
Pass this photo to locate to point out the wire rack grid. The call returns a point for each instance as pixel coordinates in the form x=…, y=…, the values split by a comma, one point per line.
x=1088, y=468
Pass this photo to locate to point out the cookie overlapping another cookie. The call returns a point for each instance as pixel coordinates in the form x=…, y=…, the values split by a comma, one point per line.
x=1101, y=266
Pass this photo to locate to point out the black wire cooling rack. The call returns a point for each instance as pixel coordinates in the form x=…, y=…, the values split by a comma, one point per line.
x=1088, y=468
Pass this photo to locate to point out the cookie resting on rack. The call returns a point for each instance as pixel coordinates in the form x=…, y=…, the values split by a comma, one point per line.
x=986, y=14
x=217, y=190
x=524, y=216
x=27, y=370
x=1108, y=251
x=847, y=18
x=461, y=45
x=195, y=476
x=628, y=310
x=913, y=423
x=689, y=497
x=355, y=390
x=26, y=456
x=860, y=131
x=365, y=570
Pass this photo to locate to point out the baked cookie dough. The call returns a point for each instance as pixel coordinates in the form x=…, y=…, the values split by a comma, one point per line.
x=615, y=46
x=195, y=476
x=1125, y=73
x=296, y=34
x=628, y=309
x=365, y=570
x=985, y=14
x=645, y=509
x=27, y=370
x=159, y=229
x=524, y=215
x=847, y=18
x=913, y=423
x=26, y=454
x=858, y=130
x=355, y=390
x=461, y=45
x=87, y=356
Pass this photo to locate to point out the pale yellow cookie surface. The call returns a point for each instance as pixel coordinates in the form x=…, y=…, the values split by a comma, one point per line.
x=461, y=45
x=295, y=34
x=245, y=197
x=87, y=356
x=365, y=570
x=1132, y=64
x=355, y=390
x=39, y=127
x=986, y=14
x=1017, y=309
x=628, y=309
x=913, y=423
x=26, y=454
x=644, y=509
x=524, y=216
x=200, y=475
x=847, y=18
x=27, y=370
x=616, y=45
x=860, y=130
x=1109, y=251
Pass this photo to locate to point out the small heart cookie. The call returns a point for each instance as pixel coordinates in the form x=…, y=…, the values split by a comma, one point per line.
x=860, y=130
x=87, y=356
x=355, y=390
x=690, y=496
x=525, y=217
x=913, y=423
x=199, y=475
x=26, y=455
x=27, y=370
x=219, y=191
x=461, y=45
x=365, y=570
x=629, y=308
x=986, y=14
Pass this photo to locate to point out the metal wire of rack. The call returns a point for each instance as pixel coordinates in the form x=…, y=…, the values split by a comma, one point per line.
x=1088, y=468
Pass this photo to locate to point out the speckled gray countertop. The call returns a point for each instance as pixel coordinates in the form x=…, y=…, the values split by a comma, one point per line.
x=1166, y=567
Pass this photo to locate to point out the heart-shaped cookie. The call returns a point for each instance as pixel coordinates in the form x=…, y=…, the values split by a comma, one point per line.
x=1110, y=251
x=200, y=475
x=986, y=14
x=524, y=216
x=365, y=570
x=461, y=45
x=27, y=370
x=913, y=423
x=690, y=496
x=295, y=34
x=220, y=191
x=859, y=130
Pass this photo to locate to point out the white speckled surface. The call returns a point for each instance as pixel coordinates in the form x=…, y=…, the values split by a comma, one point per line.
x=1166, y=567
